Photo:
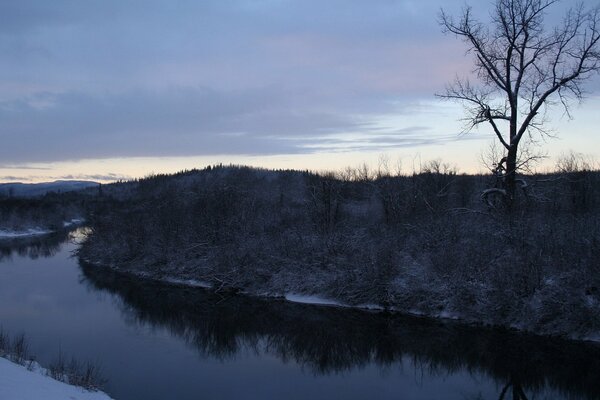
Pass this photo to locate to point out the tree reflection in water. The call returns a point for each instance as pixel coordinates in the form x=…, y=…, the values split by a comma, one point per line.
x=329, y=340
x=33, y=247
x=517, y=391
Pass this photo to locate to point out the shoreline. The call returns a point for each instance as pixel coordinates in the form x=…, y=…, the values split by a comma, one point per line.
x=8, y=234
x=321, y=301
x=32, y=382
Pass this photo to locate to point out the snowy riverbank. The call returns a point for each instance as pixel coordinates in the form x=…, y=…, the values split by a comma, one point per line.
x=13, y=234
x=18, y=382
x=36, y=231
x=325, y=301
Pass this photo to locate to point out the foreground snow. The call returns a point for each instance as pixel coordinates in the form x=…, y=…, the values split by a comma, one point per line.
x=19, y=383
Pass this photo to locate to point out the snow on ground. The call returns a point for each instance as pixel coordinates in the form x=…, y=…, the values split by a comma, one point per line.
x=189, y=282
x=10, y=234
x=321, y=301
x=18, y=383
x=373, y=307
x=74, y=221
x=304, y=299
x=6, y=234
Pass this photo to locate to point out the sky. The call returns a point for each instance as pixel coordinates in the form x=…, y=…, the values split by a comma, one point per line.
x=108, y=90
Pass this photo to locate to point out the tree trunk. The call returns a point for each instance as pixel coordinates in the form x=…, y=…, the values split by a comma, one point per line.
x=511, y=173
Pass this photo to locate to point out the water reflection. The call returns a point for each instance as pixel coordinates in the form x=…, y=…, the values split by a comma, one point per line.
x=33, y=247
x=328, y=340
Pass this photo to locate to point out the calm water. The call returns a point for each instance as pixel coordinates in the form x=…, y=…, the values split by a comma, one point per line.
x=163, y=342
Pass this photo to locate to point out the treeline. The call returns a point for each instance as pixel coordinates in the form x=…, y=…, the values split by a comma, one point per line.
x=35, y=246
x=424, y=242
x=47, y=212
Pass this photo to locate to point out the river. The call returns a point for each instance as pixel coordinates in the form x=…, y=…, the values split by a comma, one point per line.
x=156, y=341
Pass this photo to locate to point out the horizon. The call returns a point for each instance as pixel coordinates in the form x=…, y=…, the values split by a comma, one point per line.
x=111, y=91
x=384, y=165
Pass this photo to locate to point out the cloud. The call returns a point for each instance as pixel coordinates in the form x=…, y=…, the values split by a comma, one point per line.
x=109, y=177
x=385, y=142
x=11, y=178
x=182, y=122
x=23, y=167
x=81, y=80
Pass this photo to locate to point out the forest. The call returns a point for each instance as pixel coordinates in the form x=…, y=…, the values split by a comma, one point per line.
x=425, y=243
x=47, y=213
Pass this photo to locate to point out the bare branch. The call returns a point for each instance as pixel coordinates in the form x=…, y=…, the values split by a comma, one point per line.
x=524, y=68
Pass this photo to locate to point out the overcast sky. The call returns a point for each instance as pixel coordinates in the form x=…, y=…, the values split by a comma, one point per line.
x=111, y=89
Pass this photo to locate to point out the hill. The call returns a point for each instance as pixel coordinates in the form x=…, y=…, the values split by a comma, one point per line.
x=423, y=243
x=18, y=189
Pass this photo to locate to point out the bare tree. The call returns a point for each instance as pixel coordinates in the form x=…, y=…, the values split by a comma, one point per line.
x=523, y=68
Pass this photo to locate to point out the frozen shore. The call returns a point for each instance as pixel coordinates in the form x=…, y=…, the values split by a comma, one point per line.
x=18, y=382
x=37, y=231
x=324, y=301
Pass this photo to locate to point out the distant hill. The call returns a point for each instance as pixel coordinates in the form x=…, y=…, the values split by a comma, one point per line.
x=19, y=189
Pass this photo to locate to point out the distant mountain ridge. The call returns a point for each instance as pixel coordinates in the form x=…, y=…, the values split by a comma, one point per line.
x=19, y=189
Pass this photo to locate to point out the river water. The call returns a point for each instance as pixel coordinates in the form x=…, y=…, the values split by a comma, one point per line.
x=156, y=341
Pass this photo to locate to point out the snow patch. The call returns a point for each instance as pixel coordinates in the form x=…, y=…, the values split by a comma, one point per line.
x=591, y=338
x=448, y=315
x=7, y=234
x=19, y=382
x=188, y=282
x=306, y=299
x=12, y=234
x=373, y=307
x=322, y=301
x=74, y=221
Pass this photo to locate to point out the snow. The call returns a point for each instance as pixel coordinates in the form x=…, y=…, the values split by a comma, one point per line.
x=372, y=307
x=592, y=338
x=448, y=315
x=306, y=299
x=74, y=221
x=188, y=282
x=6, y=234
x=10, y=234
x=19, y=383
x=321, y=301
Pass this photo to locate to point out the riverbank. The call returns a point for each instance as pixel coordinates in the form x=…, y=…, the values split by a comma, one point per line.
x=157, y=341
x=36, y=231
x=422, y=244
x=321, y=300
x=21, y=377
x=335, y=340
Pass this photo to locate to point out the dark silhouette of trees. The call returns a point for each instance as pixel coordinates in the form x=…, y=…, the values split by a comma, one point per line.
x=522, y=68
x=421, y=241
